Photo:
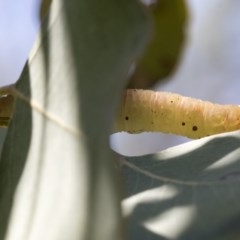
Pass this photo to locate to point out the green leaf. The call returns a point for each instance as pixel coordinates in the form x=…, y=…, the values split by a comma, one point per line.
x=2, y=137
x=45, y=4
x=163, y=52
x=57, y=179
x=191, y=191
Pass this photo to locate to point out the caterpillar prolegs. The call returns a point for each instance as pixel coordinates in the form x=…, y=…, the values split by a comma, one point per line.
x=149, y=111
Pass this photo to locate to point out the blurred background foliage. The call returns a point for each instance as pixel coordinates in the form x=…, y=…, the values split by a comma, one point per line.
x=163, y=51
x=45, y=4
x=161, y=56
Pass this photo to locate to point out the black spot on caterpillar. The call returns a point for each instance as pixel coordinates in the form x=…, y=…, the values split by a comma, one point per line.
x=194, y=128
x=149, y=111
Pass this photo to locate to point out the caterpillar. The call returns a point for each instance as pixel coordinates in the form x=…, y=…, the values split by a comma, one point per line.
x=149, y=111
x=6, y=105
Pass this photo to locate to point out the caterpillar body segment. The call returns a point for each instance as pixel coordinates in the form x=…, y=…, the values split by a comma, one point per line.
x=149, y=111
x=6, y=109
x=7, y=99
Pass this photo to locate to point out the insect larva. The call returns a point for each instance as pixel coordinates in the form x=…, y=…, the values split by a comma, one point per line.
x=149, y=111
x=6, y=109
x=6, y=104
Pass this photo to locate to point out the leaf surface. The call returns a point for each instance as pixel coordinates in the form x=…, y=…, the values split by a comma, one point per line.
x=161, y=55
x=191, y=191
x=57, y=178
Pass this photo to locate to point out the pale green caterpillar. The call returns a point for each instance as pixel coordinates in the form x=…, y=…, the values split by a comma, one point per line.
x=149, y=111
x=6, y=105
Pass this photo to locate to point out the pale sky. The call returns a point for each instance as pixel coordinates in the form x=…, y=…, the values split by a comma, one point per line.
x=18, y=28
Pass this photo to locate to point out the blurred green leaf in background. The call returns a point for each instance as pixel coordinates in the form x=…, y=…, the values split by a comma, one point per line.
x=163, y=52
x=44, y=8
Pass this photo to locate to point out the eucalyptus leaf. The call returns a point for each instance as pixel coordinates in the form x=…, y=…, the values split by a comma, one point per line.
x=191, y=191
x=163, y=52
x=57, y=175
x=45, y=4
x=2, y=137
